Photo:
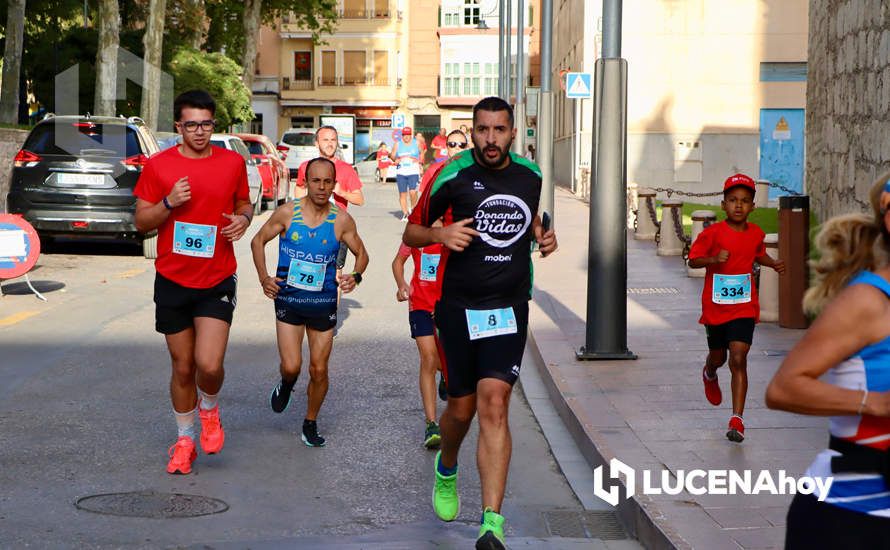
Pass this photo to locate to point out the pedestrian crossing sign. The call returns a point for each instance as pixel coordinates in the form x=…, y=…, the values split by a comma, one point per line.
x=578, y=85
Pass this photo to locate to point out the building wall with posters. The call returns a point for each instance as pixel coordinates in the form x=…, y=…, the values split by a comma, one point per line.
x=714, y=88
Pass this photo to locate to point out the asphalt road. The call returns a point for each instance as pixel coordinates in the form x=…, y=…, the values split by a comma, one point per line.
x=84, y=410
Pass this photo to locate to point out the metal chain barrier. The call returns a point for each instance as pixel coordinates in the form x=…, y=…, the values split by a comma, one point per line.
x=650, y=206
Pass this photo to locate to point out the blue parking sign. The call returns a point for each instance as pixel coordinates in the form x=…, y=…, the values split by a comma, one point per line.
x=398, y=120
x=579, y=85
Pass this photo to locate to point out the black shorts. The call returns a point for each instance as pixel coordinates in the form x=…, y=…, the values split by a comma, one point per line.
x=737, y=330
x=176, y=306
x=321, y=322
x=814, y=524
x=468, y=361
x=341, y=256
x=421, y=322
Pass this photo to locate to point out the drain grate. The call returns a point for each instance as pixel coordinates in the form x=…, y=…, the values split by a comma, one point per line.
x=654, y=290
x=148, y=504
x=584, y=525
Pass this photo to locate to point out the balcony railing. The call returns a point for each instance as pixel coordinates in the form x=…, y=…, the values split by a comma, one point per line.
x=365, y=14
x=301, y=84
x=357, y=81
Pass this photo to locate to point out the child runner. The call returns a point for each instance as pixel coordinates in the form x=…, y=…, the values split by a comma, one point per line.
x=728, y=250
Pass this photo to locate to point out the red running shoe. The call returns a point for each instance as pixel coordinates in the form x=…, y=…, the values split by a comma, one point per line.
x=182, y=454
x=736, y=431
x=712, y=388
x=212, y=434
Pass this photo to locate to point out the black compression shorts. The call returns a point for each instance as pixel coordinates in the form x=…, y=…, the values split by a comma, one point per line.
x=176, y=306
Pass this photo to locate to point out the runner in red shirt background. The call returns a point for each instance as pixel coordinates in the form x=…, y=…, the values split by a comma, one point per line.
x=422, y=294
x=728, y=250
x=440, y=150
x=196, y=196
x=383, y=161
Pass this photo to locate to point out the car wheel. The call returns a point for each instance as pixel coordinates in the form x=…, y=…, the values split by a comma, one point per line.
x=258, y=206
x=150, y=247
x=377, y=174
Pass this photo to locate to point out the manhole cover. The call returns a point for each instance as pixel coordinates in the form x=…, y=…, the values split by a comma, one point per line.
x=654, y=290
x=584, y=525
x=148, y=504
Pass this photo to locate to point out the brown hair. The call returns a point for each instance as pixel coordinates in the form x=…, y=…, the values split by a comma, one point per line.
x=848, y=244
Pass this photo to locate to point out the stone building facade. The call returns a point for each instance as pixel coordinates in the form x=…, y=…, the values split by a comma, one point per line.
x=848, y=103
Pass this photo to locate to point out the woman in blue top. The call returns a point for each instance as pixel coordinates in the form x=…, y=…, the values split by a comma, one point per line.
x=849, y=343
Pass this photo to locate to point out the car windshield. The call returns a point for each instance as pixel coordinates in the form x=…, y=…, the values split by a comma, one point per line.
x=372, y=156
x=218, y=143
x=83, y=138
x=255, y=147
x=301, y=139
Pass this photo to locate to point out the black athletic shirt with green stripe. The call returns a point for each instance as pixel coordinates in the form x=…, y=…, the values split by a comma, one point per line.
x=495, y=270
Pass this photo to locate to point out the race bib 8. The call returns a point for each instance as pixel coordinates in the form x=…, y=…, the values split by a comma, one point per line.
x=731, y=289
x=194, y=239
x=306, y=275
x=485, y=323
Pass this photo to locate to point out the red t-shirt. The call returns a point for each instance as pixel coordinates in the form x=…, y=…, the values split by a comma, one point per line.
x=743, y=247
x=440, y=147
x=383, y=159
x=424, y=292
x=346, y=178
x=216, y=183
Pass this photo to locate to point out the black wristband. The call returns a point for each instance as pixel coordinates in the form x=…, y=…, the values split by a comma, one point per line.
x=357, y=277
x=167, y=204
x=249, y=219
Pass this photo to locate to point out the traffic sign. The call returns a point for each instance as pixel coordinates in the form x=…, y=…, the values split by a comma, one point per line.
x=19, y=246
x=398, y=120
x=530, y=132
x=579, y=85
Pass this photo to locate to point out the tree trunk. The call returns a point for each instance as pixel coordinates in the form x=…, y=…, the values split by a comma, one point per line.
x=151, y=70
x=12, y=62
x=252, y=14
x=198, y=19
x=106, y=58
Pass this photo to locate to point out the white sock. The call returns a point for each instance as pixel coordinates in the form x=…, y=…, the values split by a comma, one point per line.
x=208, y=401
x=185, y=422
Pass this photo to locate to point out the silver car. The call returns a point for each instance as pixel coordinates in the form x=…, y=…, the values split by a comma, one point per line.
x=254, y=180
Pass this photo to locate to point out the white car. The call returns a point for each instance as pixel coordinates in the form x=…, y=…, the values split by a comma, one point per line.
x=254, y=180
x=367, y=169
x=298, y=145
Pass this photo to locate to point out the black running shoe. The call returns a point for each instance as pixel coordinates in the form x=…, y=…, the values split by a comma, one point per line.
x=443, y=390
x=310, y=434
x=281, y=395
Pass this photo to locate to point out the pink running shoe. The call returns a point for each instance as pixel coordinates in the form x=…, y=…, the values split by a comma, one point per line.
x=212, y=434
x=182, y=454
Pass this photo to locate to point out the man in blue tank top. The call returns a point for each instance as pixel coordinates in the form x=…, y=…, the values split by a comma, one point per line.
x=406, y=154
x=305, y=284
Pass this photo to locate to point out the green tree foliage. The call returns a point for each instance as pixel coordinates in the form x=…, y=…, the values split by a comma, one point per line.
x=219, y=75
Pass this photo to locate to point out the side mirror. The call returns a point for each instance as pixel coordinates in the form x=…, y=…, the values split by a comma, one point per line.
x=344, y=146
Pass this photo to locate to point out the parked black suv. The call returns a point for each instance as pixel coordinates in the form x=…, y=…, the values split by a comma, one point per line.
x=75, y=175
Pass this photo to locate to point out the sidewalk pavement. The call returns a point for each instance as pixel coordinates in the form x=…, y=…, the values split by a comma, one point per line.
x=651, y=413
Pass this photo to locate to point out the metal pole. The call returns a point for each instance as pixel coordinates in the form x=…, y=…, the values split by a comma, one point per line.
x=519, y=144
x=502, y=48
x=508, y=52
x=606, y=336
x=545, y=111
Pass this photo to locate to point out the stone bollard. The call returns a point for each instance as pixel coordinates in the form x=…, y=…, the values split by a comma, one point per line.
x=761, y=195
x=669, y=243
x=633, y=203
x=769, y=283
x=646, y=228
x=700, y=220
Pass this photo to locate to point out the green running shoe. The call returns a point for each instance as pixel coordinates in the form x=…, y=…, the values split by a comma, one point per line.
x=491, y=532
x=432, y=437
x=446, y=501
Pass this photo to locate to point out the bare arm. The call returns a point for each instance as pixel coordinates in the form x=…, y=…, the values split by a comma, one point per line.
x=274, y=226
x=853, y=320
x=403, y=290
x=721, y=257
x=768, y=261
x=349, y=235
x=456, y=236
x=355, y=197
x=240, y=220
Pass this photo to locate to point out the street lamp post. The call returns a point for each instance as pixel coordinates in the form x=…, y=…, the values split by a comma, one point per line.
x=606, y=335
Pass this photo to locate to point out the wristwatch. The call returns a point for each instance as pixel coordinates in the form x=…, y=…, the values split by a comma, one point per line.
x=357, y=276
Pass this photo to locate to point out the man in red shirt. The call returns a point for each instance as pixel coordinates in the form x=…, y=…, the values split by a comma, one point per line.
x=440, y=148
x=728, y=250
x=422, y=295
x=348, y=189
x=196, y=196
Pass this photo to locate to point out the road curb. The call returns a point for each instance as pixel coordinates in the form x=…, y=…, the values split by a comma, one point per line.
x=551, y=352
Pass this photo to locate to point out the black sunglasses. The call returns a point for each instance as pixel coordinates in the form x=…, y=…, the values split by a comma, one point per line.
x=461, y=144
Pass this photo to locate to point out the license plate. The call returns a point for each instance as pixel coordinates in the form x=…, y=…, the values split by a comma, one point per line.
x=80, y=179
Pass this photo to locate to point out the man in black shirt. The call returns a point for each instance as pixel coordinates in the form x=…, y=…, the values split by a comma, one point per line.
x=488, y=198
